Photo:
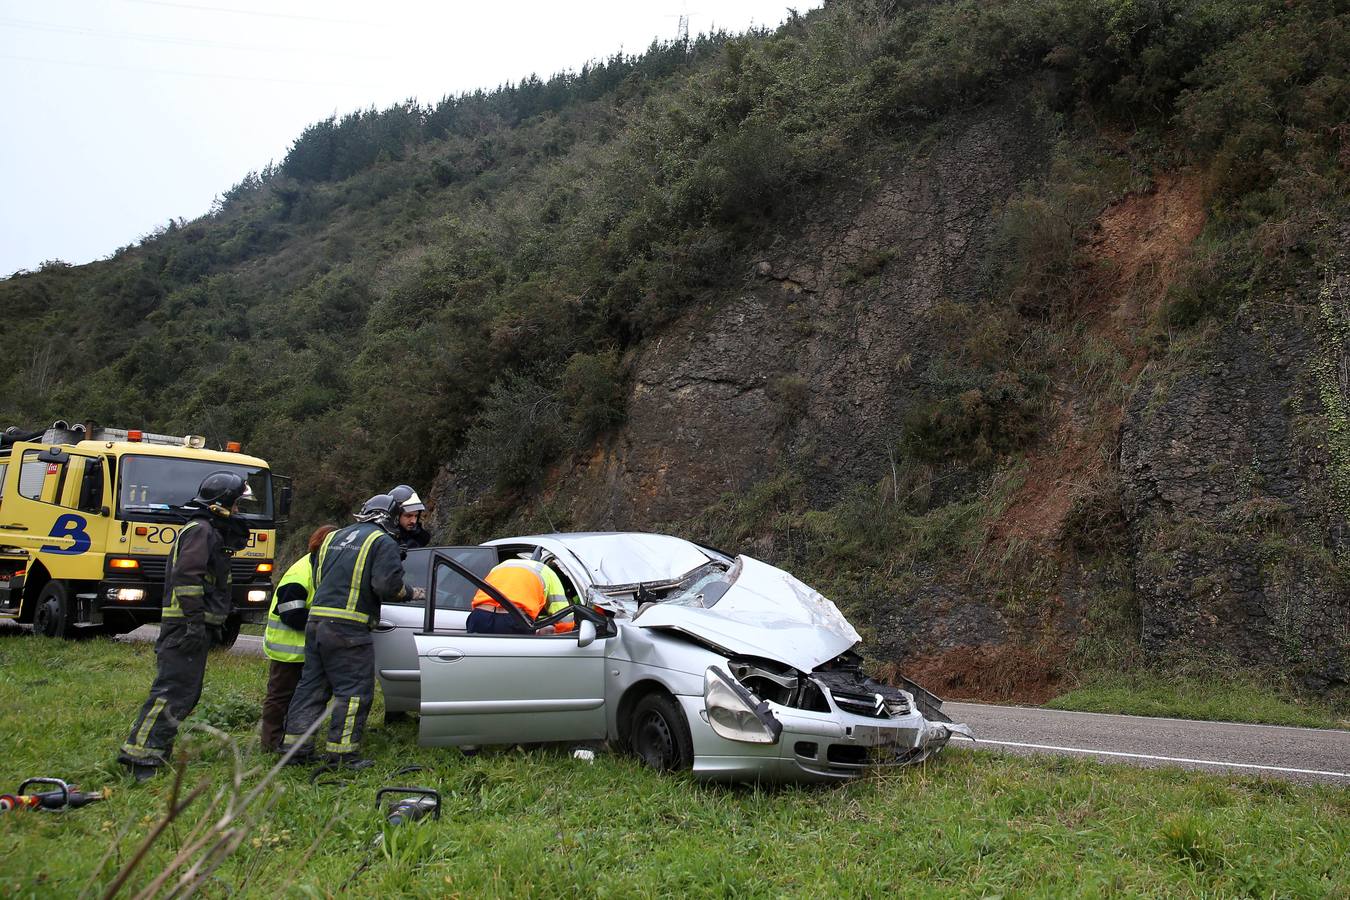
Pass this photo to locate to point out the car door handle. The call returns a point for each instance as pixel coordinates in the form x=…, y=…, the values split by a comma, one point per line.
x=447, y=654
x=15, y=527
x=384, y=627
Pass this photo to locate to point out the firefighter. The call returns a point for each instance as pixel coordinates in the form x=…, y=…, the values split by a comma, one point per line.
x=358, y=568
x=196, y=605
x=284, y=640
x=411, y=534
x=532, y=586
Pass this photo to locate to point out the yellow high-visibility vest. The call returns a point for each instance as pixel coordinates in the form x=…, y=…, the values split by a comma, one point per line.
x=279, y=642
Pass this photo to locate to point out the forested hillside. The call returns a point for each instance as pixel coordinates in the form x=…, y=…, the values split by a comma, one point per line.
x=1020, y=328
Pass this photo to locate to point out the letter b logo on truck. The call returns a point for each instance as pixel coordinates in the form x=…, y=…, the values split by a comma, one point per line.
x=69, y=526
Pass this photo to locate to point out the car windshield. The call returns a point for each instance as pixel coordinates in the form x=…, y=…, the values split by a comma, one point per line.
x=701, y=588
x=164, y=483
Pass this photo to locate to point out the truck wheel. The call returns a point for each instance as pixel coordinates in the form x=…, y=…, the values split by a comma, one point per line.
x=229, y=633
x=51, y=618
x=114, y=624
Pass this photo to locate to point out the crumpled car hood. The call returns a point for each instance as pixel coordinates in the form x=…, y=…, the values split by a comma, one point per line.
x=766, y=613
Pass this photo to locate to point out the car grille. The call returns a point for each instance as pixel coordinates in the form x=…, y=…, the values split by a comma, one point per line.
x=855, y=693
x=862, y=704
x=153, y=569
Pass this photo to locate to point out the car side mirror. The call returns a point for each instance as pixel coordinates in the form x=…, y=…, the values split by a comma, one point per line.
x=585, y=634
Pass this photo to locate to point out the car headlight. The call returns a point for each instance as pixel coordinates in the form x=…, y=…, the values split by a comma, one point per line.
x=736, y=714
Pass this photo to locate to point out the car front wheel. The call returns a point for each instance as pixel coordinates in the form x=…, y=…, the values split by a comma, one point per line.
x=659, y=735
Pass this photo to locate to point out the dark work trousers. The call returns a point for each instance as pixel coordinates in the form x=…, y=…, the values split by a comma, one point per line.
x=339, y=666
x=180, y=660
x=282, y=677
x=485, y=621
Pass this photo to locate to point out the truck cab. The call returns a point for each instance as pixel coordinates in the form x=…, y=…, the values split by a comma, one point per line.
x=89, y=515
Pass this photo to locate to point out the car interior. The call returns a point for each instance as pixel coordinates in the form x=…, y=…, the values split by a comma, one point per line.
x=456, y=580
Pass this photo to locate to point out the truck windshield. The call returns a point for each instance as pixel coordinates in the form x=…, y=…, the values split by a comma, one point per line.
x=153, y=484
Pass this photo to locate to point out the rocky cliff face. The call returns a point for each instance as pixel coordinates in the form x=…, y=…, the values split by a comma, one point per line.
x=1234, y=489
x=822, y=349
x=1226, y=455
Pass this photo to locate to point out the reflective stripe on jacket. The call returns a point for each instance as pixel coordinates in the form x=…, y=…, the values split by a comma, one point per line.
x=358, y=568
x=281, y=643
x=528, y=584
x=197, y=575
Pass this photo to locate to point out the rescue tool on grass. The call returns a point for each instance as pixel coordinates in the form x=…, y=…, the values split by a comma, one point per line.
x=60, y=798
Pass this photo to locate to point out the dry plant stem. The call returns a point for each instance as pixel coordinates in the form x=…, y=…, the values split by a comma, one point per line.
x=230, y=839
x=195, y=840
x=97, y=872
x=214, y=837
x=178, y=772
x=153, y=836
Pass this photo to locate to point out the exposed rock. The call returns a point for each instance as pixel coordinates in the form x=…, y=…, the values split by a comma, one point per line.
x=1225, y=463
x=709, y=411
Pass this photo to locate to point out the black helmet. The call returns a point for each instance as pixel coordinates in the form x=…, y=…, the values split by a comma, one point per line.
x=381, y=509
x=219, y=491
x=407, y=498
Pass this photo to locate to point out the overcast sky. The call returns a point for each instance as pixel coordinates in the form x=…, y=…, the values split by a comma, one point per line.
x=119, y=115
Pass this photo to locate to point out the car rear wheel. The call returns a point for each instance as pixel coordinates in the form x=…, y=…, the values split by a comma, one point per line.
x=658, y=734
x=51, y=618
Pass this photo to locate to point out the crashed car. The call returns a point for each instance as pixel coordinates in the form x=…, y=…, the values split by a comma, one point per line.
x=690, y=657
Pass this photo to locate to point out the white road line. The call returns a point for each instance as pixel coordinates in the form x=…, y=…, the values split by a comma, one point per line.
x=1104, y=715
x=1175, y=759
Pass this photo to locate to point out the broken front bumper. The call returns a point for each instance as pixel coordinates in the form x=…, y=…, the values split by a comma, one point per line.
x=816, y=746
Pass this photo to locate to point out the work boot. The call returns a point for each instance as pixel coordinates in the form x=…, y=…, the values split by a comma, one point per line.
x=300, y=759
x=141, y=772
x=348, y=761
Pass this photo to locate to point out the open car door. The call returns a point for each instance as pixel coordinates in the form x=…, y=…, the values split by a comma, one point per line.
x=507, y=689
x=395, y=650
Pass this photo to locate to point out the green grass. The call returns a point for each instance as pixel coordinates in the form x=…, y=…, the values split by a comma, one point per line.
x=1224, y=697
x=539, y=823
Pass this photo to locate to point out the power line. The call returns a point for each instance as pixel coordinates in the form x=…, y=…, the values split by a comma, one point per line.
x=253, y=12
x=183, y=41
x=88, y=65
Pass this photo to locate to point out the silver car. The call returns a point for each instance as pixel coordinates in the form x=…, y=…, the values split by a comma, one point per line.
x=691, y=658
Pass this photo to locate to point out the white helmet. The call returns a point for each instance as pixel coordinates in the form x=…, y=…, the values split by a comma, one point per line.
x=407, y=498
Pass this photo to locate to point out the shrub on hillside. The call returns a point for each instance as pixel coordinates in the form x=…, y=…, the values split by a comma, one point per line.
x=519, y=430
x=592, y=394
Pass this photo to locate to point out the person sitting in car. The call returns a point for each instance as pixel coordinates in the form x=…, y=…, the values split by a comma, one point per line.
x=532, y=586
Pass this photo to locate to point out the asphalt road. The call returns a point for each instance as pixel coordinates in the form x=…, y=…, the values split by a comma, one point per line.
x=247, y=644
x=1304, y=755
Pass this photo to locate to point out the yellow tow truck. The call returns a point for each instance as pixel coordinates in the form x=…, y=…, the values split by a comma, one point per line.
x=88, y=516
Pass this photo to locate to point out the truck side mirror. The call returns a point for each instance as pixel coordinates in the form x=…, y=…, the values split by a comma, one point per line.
x=53, y=455
x=284, y=493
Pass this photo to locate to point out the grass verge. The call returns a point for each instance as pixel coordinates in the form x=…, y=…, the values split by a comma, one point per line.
x=540, y=823
x=1222, y=698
